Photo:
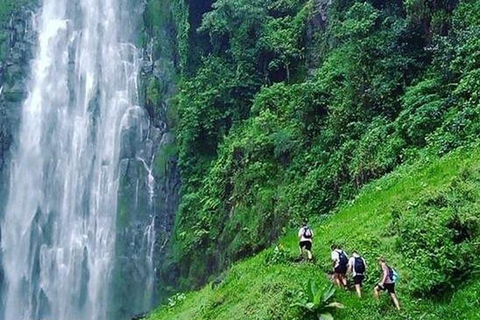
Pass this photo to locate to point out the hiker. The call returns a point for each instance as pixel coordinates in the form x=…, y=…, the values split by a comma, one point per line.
x=357, y=266
x=305, y=236
x=340, y=266
x=387, y=282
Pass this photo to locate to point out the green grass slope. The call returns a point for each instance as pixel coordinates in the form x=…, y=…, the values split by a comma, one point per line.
x=418, y=217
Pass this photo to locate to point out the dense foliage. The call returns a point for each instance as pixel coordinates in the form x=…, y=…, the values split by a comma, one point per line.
x=7, y=8
x=294, y=105
x=438, y=235
x=318, y=305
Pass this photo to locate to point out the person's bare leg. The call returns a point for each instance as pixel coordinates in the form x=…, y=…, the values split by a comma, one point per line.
x=309, y=253
x=376, y=292
x=337, y=280
x=359, y=290
x=344, y=281
x=395, y=300
x=302, y=253
x=340, y=281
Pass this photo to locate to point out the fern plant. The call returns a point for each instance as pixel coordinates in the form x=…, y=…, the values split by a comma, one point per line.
x=319, y=303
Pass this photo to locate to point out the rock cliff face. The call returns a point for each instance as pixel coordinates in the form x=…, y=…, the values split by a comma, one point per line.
x=315, y=31
x=17, y=40
x=149, y=177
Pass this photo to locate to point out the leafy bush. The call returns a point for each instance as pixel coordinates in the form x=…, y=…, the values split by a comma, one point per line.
x=423, y=110
x=176, y=299
x=439, y=237
x=319, y=302
x=278, y=255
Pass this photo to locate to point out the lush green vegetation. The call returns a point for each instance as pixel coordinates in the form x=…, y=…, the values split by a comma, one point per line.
x=6, y=9
x=423, y=218
x=284, y=115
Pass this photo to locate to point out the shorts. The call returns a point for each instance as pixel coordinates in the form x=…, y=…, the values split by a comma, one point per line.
x=390, y=287
x=340, y=269
x=358, y=279
x=306, y=244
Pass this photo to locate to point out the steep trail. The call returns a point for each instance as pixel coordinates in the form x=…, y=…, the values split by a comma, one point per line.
x=59, y=229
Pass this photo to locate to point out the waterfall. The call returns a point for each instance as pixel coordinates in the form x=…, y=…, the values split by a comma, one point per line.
x=59, y=229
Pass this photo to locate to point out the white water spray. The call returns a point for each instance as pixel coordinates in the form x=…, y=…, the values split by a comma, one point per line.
x=59, y=230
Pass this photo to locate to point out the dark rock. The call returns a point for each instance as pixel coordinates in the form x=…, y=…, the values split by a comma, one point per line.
x=14, y=66
x=315, y=28
x=148, y=196
x=140, y=316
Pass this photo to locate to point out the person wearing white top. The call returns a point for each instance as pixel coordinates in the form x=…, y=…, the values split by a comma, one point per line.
x=340, y=266
x=305, y=236
x=357, y=266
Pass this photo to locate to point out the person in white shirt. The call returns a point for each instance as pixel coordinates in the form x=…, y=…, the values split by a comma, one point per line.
x=340, y=266
x=357, y=266
x=305, y=236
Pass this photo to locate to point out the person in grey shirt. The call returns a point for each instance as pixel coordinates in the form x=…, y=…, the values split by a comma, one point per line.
x=387, y=283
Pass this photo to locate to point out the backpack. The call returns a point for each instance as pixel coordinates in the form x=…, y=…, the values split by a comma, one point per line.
x=359, y=266
x=342, y=259
x=393, y=274
x=307, y=233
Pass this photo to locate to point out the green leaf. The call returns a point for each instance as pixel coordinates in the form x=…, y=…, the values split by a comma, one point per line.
x=328, y=294
x=311, y=290
x=298, y=304
x=317, y=299
x=335, y=305
x=310, y=306
x=325, y=316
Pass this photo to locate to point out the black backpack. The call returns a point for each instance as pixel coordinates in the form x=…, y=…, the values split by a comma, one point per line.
x=359, y=265
x=307, y=233
x=342, y=259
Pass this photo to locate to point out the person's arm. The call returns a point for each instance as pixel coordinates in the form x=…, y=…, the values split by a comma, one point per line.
x=351, y=262
x=334, y=258
x=385, y=275
x=300, y=234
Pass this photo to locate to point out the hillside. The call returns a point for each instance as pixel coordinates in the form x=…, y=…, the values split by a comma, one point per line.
x=424, y=218
x=287, y=108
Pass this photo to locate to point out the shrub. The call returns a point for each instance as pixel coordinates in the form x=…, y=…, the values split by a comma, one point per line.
x=439, y=234
x=319, y=302
x=278, y=255
x=176, y=299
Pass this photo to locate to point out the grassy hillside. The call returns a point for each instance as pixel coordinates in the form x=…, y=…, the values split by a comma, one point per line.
x=292, y=106
x=417, y=217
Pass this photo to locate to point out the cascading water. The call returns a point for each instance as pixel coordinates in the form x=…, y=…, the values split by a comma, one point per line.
x=59, y=230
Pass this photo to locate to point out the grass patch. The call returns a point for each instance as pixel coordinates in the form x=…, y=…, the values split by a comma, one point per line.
x=263, y=287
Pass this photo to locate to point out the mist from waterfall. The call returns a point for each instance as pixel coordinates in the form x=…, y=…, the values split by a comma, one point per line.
x=59, y=230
